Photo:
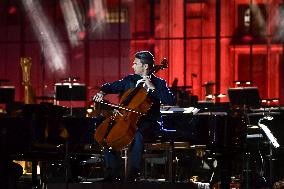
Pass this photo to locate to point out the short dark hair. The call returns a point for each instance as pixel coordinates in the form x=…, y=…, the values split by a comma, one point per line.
x=146, y=58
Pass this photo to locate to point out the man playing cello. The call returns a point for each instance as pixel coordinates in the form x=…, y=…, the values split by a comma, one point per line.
x=159, y=93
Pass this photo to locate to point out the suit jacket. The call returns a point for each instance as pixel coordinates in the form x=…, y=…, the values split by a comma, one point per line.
x=161, y=94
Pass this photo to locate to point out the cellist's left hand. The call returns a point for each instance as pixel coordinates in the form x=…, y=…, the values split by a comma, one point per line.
x=147, y=81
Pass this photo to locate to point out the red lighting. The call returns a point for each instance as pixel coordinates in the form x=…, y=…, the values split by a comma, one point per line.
x=82, y=35
x=12, y=10
x=91, y=13
x=78, y=55
x=151, y=41
x=247, y=38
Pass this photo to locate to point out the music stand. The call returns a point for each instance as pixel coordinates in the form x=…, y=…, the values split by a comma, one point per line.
x=244, y=96
x=70, y=92
x=7, y=94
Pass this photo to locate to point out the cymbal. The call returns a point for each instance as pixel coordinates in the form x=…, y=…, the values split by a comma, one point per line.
x=221, y=95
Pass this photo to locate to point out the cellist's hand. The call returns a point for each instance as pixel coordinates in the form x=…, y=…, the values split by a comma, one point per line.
x=147, y=81
x=99, y=96
x=117, y=113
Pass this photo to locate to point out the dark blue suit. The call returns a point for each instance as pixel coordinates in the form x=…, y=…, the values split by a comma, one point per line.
x=146, y=126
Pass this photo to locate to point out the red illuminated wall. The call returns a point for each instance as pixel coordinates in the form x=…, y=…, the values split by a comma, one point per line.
x=183, y=33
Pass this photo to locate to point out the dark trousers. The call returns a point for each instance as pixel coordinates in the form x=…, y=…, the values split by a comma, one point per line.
x=146, y=128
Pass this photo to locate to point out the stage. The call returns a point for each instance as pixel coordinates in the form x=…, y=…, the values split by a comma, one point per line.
x=100, y=185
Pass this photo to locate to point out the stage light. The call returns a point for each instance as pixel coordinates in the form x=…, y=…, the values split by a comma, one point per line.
x=97, y=14
x=54, y=51
x=73, y=21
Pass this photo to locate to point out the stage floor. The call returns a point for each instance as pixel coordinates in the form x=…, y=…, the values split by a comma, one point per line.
x=138, y=185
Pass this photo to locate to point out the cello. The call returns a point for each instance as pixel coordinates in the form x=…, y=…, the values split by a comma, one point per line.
x=118, y=130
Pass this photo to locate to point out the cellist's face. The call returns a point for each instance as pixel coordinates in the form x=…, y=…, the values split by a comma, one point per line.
x=139, y=68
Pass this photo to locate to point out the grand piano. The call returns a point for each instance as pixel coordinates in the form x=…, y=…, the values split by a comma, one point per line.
x=45, y=132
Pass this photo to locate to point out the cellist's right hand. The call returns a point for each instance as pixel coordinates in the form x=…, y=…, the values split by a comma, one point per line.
x=99, y=96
